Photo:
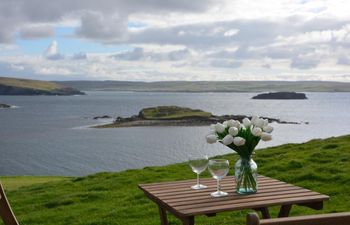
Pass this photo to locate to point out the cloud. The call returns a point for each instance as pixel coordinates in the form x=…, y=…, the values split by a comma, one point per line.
x=199, y=39
x=303, y=63
x=79, y=56
x=138, y=54
x=343, y=60
x=135, y=54
x=101, y=27
x=99, y=20
x=179, y=54
x=52, y=53
x=37, y=31
x=266, y=66
x=226, y=63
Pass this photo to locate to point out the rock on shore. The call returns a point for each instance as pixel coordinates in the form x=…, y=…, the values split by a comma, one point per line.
x=4, y=106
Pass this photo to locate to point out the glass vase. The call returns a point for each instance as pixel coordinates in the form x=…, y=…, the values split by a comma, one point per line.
x=246, y=174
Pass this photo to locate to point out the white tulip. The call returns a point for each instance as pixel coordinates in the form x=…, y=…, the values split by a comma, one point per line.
x=233, y=131
x=211, y=138
x=212, y=126
x=236, y=123
x=246, y=122
x=266, y=122
x=259, y=123
x=254, y=119
x=238, y=141
x=231, y=123
x=227, y=140
x=266, y=136
x=268, y=129
x=220, y=128
x=225, y=123
x=256, y=131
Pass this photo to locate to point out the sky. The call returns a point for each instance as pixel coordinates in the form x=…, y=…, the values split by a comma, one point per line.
x=169, y=40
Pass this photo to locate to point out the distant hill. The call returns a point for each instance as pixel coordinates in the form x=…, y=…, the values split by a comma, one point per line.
x=210, y=86
x=14, y=86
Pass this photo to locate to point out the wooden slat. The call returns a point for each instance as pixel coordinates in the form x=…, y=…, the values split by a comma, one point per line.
x=224, y=186
x=267, y=203
x=252, y=201
x=173, y=189
x=228, y=198
x=232, y=192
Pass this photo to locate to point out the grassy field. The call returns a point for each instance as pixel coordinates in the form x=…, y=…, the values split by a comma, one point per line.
x=113, y=198
x=172, y=112
x=32, y=84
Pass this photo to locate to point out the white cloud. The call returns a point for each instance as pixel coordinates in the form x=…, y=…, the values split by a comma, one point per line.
x=52, y=53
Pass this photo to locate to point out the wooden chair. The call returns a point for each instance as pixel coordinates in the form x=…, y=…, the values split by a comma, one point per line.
x=324, y=219
x=6, y=212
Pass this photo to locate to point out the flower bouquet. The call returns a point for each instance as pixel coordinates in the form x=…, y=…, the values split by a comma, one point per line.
x=242, y=138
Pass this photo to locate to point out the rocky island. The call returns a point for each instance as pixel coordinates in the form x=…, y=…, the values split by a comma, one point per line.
x=280, y=95
x=175, y=116
x=14, y=86
x=4, y=106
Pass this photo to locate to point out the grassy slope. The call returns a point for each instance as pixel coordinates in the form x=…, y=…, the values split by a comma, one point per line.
x=32, y=84
x=113, y=198
x=172, y=112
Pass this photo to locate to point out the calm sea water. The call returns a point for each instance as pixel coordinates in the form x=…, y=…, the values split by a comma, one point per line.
x=48, y=135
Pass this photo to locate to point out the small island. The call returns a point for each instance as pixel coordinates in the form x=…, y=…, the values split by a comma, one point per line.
x=4, y=106
x=15, y=86
x=280, y=95
x=174, y=116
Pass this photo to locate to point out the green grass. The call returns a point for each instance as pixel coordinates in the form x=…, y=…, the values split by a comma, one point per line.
x=172, y=112
x=31, y=84
x=113, y=198
x=14, y=183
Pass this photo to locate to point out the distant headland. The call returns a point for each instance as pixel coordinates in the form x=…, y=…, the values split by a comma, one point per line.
x=14, y=86
x=280, y=95
x=174, y=116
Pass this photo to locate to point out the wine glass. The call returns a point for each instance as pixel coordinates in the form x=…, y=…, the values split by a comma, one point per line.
x=198, y=165
x=218, y=169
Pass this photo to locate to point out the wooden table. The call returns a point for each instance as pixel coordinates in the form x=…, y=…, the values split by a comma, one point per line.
x=184, y=203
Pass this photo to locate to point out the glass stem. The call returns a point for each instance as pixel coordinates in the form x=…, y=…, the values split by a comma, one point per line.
x=198, y=179
x=218, y=185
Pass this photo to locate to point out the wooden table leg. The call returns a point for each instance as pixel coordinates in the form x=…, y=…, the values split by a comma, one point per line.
x=264, y=212
x=163, y=216
x=284, y=211
x=188, y=220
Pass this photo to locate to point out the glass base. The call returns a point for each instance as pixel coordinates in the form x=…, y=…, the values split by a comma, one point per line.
x=218, y=194
x=246, y=191
x=198, y=186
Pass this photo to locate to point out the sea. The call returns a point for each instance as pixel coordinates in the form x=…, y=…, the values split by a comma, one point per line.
x=51, y=135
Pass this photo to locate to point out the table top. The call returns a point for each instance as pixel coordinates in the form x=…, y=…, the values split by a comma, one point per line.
x=178, y=198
